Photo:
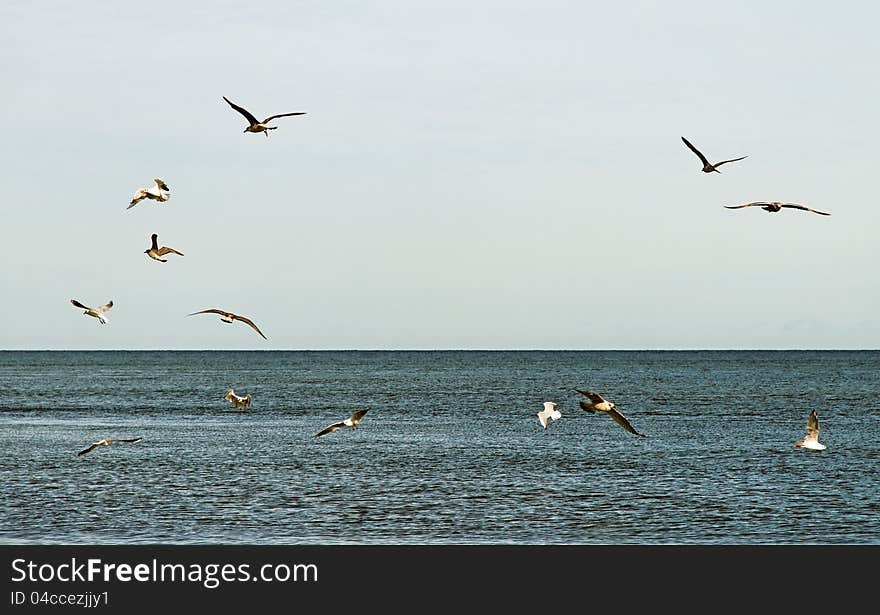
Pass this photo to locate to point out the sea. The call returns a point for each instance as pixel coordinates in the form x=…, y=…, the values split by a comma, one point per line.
x=450, y=452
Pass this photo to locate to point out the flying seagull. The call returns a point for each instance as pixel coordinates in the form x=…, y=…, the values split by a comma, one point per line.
x=549, y=412
x=230, y=317
x=774, y=206
x=597, y=402
x=707, y=166
x=254, y=125
x=106, y=442
x=352, y=422
x=811, y=440
x=160, y=192
x=237, y=400
x=96, y=312
x=156, y=253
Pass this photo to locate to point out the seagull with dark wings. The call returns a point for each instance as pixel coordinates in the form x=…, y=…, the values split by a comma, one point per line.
x=156, y=253
x=160, y=192
x=351, y=422
x=774, y=206
x=107, y=442
x=230, y=317
x=97, y=312
x=707, y=166
x=811, y=440
x=597, y=402
x=256, y=126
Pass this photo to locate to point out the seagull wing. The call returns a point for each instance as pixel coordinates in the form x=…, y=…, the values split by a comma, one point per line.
x=272, y=117
x=125, y=440
x=162, y=185
x=248, y=321
x=623, y=422
x=755, y=204
x=718, y=164
x=79, y=305
x=138, y=196
x=588, y=407
x=247, y=114
x=796, y=206
x=153, y=238
x=89, y=449
x=358, y=415
x=594, y=397
x=210, y=311
x=166, y=250
x=330, y=428
x=812, y=427
x=104, y=307
x=695, y=150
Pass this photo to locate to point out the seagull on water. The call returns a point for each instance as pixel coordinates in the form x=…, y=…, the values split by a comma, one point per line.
x=96, y=312
x=707, y=166
x=257, y=126
x=774, y=206
x=160, y=192
x=230, y=317
x=106, y=442
x=351, y=422
x=156, y=253
x=811, y=440
x=549, y=413
x=597, y=402
x=237, y=400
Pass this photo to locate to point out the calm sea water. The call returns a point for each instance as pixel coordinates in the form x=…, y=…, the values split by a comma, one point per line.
x=450, y=452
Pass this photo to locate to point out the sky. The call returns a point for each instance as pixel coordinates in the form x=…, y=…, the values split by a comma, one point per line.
x=468, y=175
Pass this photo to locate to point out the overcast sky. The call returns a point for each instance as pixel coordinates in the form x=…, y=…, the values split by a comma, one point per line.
x=473, y=174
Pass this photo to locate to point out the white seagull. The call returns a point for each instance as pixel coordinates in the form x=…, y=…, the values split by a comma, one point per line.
x=106, y=442
x=351, y=422
x=548, y=413
x=230, y=317
x=237, y=400
x=597, y=402
x=96, y=312
x=256, y=126
x=160, y=192
x=707, y=166
x=156, y=253
x=811, y=440
x=774, y=206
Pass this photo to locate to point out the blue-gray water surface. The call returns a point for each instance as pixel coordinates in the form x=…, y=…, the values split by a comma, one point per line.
x=451, y=451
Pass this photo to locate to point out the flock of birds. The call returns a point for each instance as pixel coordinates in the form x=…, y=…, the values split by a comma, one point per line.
x=593, y=403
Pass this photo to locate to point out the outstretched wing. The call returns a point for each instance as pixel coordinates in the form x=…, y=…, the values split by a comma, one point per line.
x=796, y=206
x=272, y=117
x=89, y=449
x=248, y=321
x=210, y=311
x=79, y=305
x=594, y=397
x=623, y=421
x=139, y=196
x=718, y=164
x=247, y=114
x=166, y=250
x=812, y=427
x=125, y=440
x=357, y=415
x=162, y=185
x=695, y=150
x=755, y=204
x=330, y=428
x=104, y=307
